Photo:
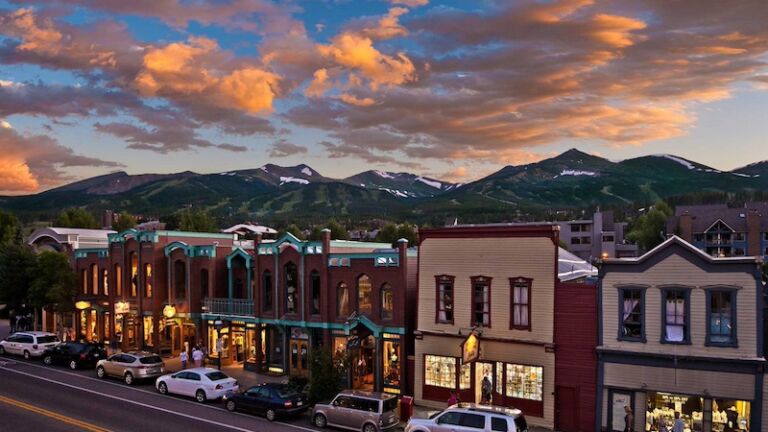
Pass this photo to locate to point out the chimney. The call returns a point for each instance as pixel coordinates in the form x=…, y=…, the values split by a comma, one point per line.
x=402, y=249
x=685, y=227
x=754, y=239
x=326, y=240
x=257, y=239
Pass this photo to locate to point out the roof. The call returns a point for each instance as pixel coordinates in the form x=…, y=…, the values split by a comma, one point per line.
x=675, y=240
x=513, y=412
x=76, y=238
x=704, y=216
x=571, y=267
x=249, y=229
x=500, y=230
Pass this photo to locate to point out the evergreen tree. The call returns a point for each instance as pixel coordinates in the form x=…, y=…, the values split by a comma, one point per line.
x=16, y=275
x=293, y=229
x=76, y=218
x=388, y=233
x=648, y=229
x=327, y=374
x=10, y=228
x=124, y=221
x=198, y=221
x=53, y=282
x=338, y=232
x=406, y=231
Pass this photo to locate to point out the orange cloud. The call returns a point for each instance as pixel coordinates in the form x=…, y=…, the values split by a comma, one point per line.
x=35, y=36
x=354, y=100
x=615, y=30
x=250, y=89
x=15, y=175
x=319, y=84
x=411, y=3
x=388, y=26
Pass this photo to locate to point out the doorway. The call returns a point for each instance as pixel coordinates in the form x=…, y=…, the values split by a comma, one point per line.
x=567, y=411
x=363, y=357
x=299, y=360
x=484, y=370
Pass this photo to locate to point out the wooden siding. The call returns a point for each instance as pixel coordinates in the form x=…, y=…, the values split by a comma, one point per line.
x=500, y=259
x=676, y=270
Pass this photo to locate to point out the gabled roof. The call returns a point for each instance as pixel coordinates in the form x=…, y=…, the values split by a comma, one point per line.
x=571, y=267
x=675, y=240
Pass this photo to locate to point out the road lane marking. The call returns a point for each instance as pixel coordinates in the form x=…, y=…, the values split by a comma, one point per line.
x=69, y=420
x=191, y=417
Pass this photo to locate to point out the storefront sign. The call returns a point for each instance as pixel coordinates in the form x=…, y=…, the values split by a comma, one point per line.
x=470, y=349
x=83, y=305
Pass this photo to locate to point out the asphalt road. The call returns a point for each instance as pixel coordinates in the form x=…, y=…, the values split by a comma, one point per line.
x=38, y=397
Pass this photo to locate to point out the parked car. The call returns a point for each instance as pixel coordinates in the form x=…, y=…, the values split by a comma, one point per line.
x=74, y=354
x=28, y=344
x=471, y=417
x=131, y=366
x=358, y=410
x=270, y=400
x=201, y=383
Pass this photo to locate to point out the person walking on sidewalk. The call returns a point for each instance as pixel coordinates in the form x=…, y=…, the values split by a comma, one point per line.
x=184, y=357
x=197, y=357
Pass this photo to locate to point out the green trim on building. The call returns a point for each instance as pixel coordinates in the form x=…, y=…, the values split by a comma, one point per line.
x=83, y=253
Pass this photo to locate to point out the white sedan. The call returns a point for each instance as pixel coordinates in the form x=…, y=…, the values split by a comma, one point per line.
x=201, y=383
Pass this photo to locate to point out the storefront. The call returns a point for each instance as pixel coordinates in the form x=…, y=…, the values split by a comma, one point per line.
x=392, y=364
x=726, y=415
x=299, y=351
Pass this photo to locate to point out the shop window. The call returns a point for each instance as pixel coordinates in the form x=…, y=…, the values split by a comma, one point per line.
x=364, y=288
x=105, y=281
x=204, y=283
x=266, y=287
x=84, y=279
x=314, y=279
x=440, y=371
x=481, y=301
x=148, y=280
x=391, y=363
x=95, y=279
x=291, y=287
x=387, y=302
x=721, y=325
x=731, y=415
x=107, y=326
x=445, y=299
x=149, y=329
x=118, y=280
x=134, y=274
x=675, y=316
x=524, y=382
x=521, y=303
x=342, y=300
x=465, y=376
x=180, y=279
x=663, y=406
x=632, y=315
x=499, y=377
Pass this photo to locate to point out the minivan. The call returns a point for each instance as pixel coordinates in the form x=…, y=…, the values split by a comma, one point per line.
x=28, y=344
x=358, y=410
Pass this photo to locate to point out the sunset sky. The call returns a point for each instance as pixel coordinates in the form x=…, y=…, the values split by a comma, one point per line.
x=450, y=89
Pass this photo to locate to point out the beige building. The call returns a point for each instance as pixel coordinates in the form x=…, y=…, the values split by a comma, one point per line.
x=485, y=309
x=681, y=331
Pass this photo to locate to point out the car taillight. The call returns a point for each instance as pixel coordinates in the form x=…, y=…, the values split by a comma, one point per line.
x=219, y=387
x=288, y=404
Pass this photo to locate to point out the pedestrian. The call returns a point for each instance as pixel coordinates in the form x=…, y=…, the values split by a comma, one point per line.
x=486, y=388
x=629, y=419
x=184, y=357
x=454, y=399
x=197, y=356
x=13, y=321
x=679, y=425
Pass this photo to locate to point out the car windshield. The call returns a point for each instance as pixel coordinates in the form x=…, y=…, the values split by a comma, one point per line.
x=150, y=360
x=47, y=339
x=285, y=392
x=390, y=404
x=216, y=376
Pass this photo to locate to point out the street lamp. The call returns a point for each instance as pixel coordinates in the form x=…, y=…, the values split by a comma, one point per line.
x=219, y=324
x=169, y=311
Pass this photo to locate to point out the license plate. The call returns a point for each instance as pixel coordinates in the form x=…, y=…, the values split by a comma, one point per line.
x=299, y=403
x=154, y=370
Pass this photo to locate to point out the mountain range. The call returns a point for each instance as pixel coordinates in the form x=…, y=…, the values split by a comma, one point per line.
x=571, y=180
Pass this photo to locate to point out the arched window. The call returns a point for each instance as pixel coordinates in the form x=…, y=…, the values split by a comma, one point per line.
x=266, y=289
x=180, y=279
x=387, y=301
x=118, y=280
x=314, y=279
x=342, y=299
x=134, y=274
x=105, y=279
x=95, y=279
x=203, y=283
x=148, y=280
x=291, y=287
x=364, y=289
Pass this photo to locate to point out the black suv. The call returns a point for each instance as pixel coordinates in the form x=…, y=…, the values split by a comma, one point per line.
x=75, y=354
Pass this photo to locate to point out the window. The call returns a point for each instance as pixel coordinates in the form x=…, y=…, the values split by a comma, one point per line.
x=180, y=279
x=314, y=279
x=444, y=299
x=440, y=371
x=631, y=318
x=741, y=236
x=524, y=382
x=95, y=279
x=475, y=421
x=118, y=280
x=387, y=302
x=499, y=424
x=738, y=252
x=481, y=301
x=364, y=288
x=675, y=313
x=134, y=274
x=291, y=287
x=342, y=300
x=721, y=324
x=450, y=418
x=465, y=376
x=521, y=303
x=608, y=238
x=698, y=237
x=84, y=279
x=203, y=283
x=105, y=279
x=266, y=287
x=148, y=280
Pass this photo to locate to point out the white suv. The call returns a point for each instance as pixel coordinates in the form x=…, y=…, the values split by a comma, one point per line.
x=466, y=417
x=28, y=344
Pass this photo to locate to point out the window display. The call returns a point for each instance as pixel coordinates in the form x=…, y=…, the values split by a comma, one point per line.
x=524, y=382
x=730, y=415
x=465, y=377
x=148, y=330
x=440, y=371
x=391, y=363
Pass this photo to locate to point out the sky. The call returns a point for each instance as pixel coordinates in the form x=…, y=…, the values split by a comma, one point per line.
x=449, y=89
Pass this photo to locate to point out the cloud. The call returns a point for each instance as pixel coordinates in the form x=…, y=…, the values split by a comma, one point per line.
x=354, y=100
x=285, y=148
x=410, y=3
x=388, y=26
x=319, y=84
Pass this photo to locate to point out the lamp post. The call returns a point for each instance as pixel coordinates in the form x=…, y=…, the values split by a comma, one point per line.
x=219, y=325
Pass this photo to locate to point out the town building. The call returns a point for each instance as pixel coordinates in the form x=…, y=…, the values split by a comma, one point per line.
x=352, y=297
x=68, y=240
x=682, y=331
x=487, y=309
x=599, y=237
x=723, y=231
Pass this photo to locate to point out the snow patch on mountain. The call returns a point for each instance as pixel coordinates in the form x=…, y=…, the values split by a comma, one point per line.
x=264, y=168
x=396, y=192
x=284, y=180
x=433, y=183
x=383, y=174
x=681, y=161
x=569, y=172
x=306, y=171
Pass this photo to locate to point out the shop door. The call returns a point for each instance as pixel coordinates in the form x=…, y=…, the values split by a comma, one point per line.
x=484, y=370
x=299, y=357
x=566, y=410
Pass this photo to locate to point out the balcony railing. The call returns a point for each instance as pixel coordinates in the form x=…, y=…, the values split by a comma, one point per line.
x=229, y=306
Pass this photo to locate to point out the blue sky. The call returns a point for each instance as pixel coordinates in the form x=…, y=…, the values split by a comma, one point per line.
x=454, y=90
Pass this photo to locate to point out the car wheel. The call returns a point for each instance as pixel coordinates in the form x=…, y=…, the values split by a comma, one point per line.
x=73, y=365
x=200, y=396
x=162, y=388
x=369, y=427
x=2, y=350
x=271, y=414
x=26, y=355
x=231, y=406
x=128, y=378
x=320, y=420
x=100, y=372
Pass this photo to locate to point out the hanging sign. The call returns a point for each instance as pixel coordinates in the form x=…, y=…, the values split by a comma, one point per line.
x=470, y=349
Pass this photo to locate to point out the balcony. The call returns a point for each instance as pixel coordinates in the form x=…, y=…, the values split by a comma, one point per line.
x=241, y=307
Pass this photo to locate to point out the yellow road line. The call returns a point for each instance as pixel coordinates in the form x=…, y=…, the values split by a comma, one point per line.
x=69, y=420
